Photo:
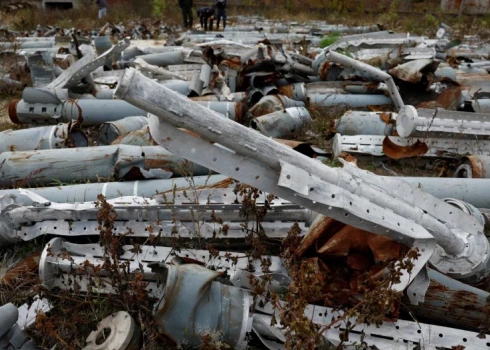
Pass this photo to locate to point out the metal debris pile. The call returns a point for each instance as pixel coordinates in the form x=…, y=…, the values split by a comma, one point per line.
x=142, y=159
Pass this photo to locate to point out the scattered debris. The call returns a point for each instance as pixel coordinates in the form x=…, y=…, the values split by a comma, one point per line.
x=230, y=198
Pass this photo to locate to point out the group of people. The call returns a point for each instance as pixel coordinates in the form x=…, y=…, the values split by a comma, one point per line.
x=206, y=14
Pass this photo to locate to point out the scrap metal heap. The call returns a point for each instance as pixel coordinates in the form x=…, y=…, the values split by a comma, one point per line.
x=207, y=138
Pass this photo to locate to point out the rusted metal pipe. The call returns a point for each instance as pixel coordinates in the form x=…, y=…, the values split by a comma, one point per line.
x=272, y=103
x=476, y=167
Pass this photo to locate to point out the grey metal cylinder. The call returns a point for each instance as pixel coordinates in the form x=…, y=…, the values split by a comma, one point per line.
x=231, y=110
x=282, y=123
x=295, y=91
x=351, y=100
x=192, y=300
x=89, y=112
x=91, y=164
x=110, y=131
x=180, y=86
x=481, y=105
x=473, y=191
x=102, y=44
x=49, y=96
x=272, y=103
x=6, y=81
x=364, y=123
x=89, y=192
x=165, y=58
x=44, y=137
x=8, y=317
x=140, y=137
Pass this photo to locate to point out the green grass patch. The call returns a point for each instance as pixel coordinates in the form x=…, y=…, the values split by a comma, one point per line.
x=330, y=39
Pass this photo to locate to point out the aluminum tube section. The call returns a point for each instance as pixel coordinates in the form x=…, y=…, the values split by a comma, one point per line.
x=442, y=123
x=231, y=110
x=363, y=123
x=143, y=188
x=375, y=73
x=91, y=164
x=89, y=112
x=474, y=191
x=350, y=100
x=164, y=58
x=41, y=138
x=8, y=317
x=110, y=131
x=283, y=123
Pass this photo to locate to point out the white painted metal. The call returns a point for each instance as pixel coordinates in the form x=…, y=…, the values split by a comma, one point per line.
x=371, y=144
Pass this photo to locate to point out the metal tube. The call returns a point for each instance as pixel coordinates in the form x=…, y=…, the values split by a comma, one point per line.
x=88, y=112
x=28, y=44
x=8, y=317
x=474, y=166
x=269, y=154
x=110, y=131
x=248, y=145
x=481, y=105
x=273, y=103
x=364, y=123
x=473, y=191
x=110, y=190
x=350, y=100
x=438, y=123
x=91, y=164
x=376, y=74
x=53, y=263
x=7, y=82
x=180, y=86
x=399, y=147
x=282, y=123
x=176, y=212
x=140, y=137
x=41, y=138
x=102, y=44
x=339, y=87
x=231, y=110
x=49, y=96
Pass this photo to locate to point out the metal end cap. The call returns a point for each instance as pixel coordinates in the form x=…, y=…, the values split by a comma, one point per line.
x=405, y=121
x=470, y=266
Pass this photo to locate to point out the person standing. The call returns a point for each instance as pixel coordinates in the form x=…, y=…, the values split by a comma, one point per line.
x=102, y=7
x=186, y=7
x=221, y=12
x=206, y=14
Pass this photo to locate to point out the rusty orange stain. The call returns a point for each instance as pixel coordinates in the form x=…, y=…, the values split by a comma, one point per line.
x=395, y=151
